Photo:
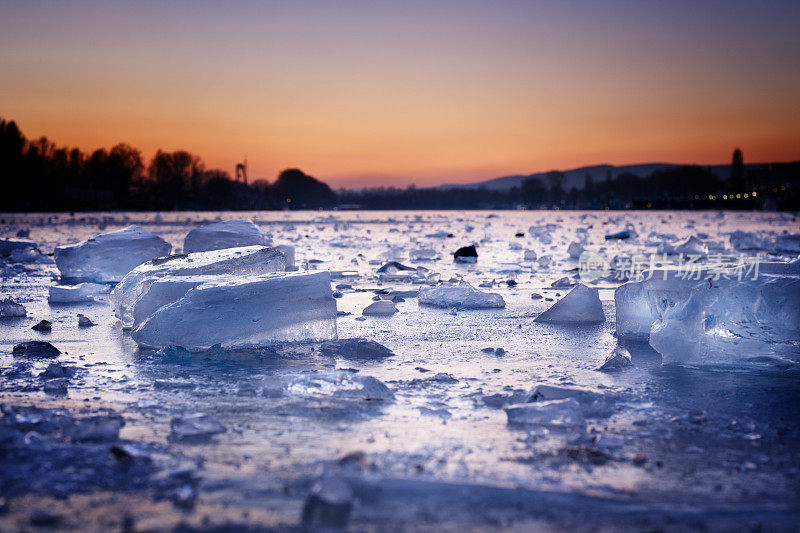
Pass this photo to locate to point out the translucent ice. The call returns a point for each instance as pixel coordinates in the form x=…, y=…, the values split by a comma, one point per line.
x=461, y=296
x=380, y=308
x=593, y=403
x=109, y=256
x=640, y=303
x=728, y=321
x=564, y=414
x=581, y=305
x=233, y=261
x=227, y=234
x=242, y=311
x=82, y=292
x=340, y=385
x=619, y=359
x=10, y=309
x=9, y=246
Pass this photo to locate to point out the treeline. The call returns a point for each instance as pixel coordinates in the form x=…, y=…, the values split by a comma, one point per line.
x=37, y=175
x=681, y=187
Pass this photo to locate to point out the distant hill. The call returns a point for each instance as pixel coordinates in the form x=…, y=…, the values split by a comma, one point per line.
x=577, y=176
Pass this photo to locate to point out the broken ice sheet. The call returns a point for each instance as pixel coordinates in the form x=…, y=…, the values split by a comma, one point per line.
x=461, y=296
x=339, y=384
x=109, y=256
x=730, y=321
x=230, y=261
x=243, y=311
x=82, y=292
x=227, y=234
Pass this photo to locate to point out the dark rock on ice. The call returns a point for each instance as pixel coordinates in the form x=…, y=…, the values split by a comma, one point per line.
x=43, y=326
x=36, y=349
x=56, y=387
x=466, y=254
x=84, y=322
x=57, y=370
x=355, y=349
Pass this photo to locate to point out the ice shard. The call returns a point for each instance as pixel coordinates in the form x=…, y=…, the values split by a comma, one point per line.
x=82, y=292
x=581, y=305
x=228, y=234
x=461, y=296
x=109, y=256
x=245, y=311
x=233, y=261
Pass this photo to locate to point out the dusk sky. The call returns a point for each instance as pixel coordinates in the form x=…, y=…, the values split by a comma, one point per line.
x=393, y=93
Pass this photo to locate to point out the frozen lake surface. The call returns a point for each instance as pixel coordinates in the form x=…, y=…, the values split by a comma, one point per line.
x=664, y=447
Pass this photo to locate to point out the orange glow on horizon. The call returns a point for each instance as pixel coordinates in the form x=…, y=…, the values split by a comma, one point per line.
x=377, y=97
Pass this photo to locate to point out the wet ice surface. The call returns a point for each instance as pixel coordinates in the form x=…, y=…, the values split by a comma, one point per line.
x=413, y=439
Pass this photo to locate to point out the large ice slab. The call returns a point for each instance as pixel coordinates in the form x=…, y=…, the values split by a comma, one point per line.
x=461, y=296
x=109, y=256
x=228, y=234
x=244, y=311
x=581, y=305
x=640, y=303
x=234, y=261
x=728, y=321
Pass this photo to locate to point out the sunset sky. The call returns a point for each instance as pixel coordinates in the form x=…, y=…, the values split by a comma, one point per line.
x=393, y=93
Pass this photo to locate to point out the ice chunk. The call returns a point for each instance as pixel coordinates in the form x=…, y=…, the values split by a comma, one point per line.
x=593, y=403
x=197, y=426
x=242, y=311
x=789, y=243
x=11, y=309
x=380, y=308
x=461, y=296
x=164, y=291
x=619, y=359
x=575, y=250
x=728, y=321
x=82, y=292
x=339, y=385
x=640, y=303
x=288, y=254
x=581, y=305
x=543, y=232
x=423, y=254
x=563, y=414
x=529, y=255
x=109, y=256
x=393, y=267
x=329, y=504
x=227, y=234
x=9, y=246
x=233, y=261
x=744, y=241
